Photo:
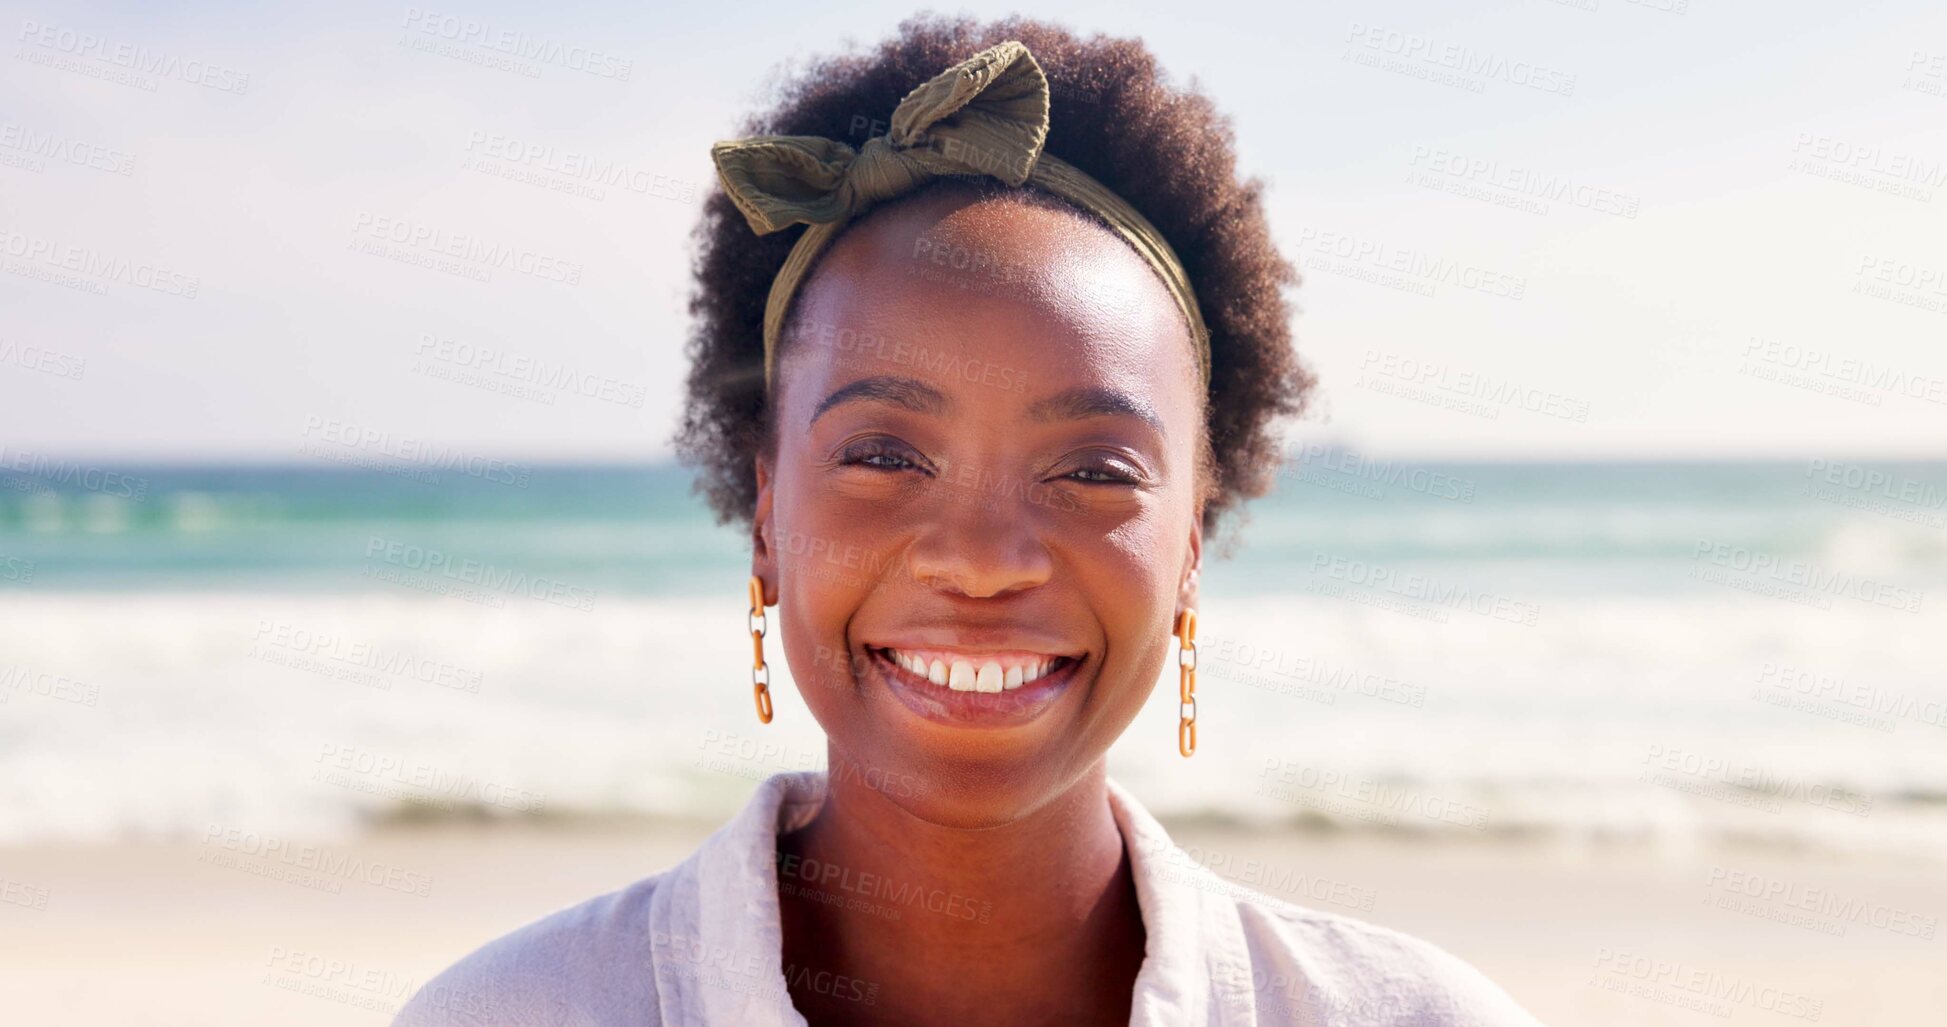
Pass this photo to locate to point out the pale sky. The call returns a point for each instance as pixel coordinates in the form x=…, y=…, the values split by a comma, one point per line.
x=1626, y=232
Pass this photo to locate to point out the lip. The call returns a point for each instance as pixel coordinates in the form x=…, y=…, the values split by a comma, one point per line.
x=943, y=705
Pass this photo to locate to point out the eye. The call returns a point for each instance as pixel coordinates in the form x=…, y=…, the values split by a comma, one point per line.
x=881, y=454
x=1106, y=471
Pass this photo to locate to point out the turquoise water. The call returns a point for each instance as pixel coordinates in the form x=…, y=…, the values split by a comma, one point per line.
x=638, y=530
x=1663, y=653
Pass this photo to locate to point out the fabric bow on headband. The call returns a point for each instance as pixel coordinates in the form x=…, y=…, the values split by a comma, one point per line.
x=987, y=115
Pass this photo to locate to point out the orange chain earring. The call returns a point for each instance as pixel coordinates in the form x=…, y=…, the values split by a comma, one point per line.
x=1186, y=689
x=760, y=675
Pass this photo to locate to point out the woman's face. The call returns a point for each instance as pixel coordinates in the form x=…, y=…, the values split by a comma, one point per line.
x=988, y=421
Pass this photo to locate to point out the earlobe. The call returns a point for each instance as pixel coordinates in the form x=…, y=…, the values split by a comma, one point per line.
x=763, y=553
x=1186, y=598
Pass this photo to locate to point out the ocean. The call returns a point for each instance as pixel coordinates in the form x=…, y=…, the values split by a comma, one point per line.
x=1665, y=654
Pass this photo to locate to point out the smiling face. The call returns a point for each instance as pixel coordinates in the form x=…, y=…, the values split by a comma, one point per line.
x=981, y=511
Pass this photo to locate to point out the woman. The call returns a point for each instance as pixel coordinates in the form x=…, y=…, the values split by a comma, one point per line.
x=980, y=416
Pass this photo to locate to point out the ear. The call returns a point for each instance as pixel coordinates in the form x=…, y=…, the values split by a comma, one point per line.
x=1186, y=596
x=763, y=551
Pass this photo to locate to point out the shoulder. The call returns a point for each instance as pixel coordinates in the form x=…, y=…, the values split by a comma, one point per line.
x=584, y=966
x=1292, y=965
x=1313, y=967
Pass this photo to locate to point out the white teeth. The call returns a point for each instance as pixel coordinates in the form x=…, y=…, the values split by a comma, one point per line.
x=965, y=676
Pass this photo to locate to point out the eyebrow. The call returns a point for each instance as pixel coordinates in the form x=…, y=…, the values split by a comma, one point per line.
x=1093, y=401
x=910, y=393
x=1078, y=403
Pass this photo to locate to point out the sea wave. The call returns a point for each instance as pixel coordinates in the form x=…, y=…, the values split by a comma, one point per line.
x=1706, y=719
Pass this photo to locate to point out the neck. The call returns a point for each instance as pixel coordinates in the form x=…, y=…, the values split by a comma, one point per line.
x=1030, y=920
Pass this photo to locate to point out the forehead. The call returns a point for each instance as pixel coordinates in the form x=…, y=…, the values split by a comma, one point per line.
x=1010, y=279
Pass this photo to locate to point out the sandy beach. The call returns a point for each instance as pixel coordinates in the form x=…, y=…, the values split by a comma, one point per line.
x=193, y=934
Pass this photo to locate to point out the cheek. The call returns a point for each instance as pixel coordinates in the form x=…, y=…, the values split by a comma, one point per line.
x=815, y=602
x=1136, y=566
x=831, y=553
x=1135, y=550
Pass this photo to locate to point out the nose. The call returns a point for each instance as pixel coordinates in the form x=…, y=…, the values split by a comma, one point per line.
x=980, y=545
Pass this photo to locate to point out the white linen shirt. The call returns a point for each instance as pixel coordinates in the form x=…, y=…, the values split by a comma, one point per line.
x=701, y=943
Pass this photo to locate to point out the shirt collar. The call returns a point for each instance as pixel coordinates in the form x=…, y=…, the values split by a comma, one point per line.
x=719, y=940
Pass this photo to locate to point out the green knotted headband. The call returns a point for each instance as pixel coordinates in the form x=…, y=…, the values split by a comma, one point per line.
x=987, y=115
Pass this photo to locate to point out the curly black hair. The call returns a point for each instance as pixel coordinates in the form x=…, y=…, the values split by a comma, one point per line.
x=1115, y=115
